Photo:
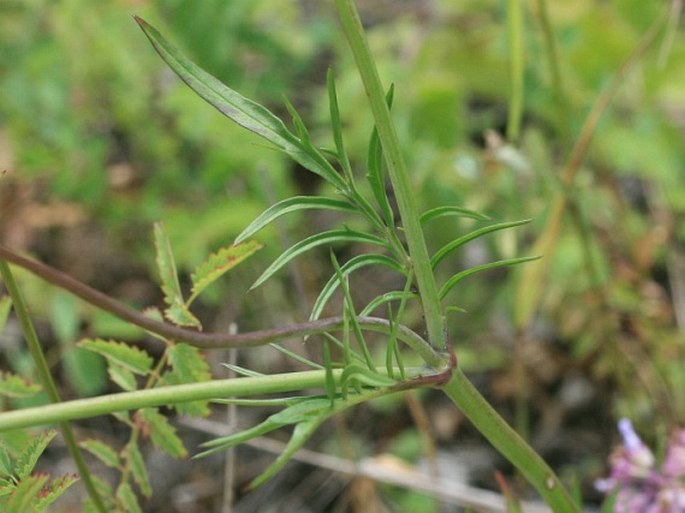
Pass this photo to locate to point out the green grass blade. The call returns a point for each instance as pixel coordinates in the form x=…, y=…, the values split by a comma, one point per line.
x=347, y=268
x=452, y=282
x=296, y=357
x=436, y=212
x=374, y=163
x=289, y=205
x=243, y=111
x=336, y=126
x=456, y=243
x=394, y=295
x=319, y=239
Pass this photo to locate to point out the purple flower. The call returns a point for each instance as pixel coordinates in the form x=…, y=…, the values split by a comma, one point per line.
x=640, y=486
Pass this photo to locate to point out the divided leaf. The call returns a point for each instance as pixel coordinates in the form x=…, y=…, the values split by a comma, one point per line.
x=289, y=205
x=15, y=386
x=128, y=499
x=243, y=111
x=130, y=357
x=319, y=239
x=30, y=454
x=162, y=434
x=219, y=263
x=53, y=490
x=188, y=366
x=138, y=469
x=177, y=312
x=25, y=493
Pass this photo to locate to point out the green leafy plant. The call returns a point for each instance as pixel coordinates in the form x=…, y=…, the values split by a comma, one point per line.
x=353, y=370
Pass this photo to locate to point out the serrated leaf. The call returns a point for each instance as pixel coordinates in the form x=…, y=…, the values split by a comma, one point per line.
x=15, y=386
x=217, y=264
x=188, y=366
x=241, y=110
x=162, y=434
x=293, y=204
x=349, y=267
x=177, y=312
x=126, y=497
x=6, y=463
x=456, y=243
x=5, y=307
x=444, y=290
x=138, y=469
x=319, y=239
x=53, y=490
x=103, y=452
x=437, y=212
x=133, y=358
x=26, y=492
x=6, y=487
x=121, y=376
x=29, y=455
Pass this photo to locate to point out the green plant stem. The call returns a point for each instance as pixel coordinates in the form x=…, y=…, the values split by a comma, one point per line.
x=397, y=170
x=509, y=443
x=516, y=68
x=48, y=383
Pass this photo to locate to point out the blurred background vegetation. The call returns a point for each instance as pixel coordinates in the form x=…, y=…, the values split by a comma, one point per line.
x=98, y=140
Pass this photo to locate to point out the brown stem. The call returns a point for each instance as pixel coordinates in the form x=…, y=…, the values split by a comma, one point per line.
x=196, y=338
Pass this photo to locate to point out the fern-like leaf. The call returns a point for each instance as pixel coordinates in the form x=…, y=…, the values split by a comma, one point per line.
x=162, y=434
x=15, y=386
x=132, y=358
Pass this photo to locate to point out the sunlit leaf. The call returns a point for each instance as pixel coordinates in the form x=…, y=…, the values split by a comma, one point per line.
x=243, y=111
x=177, y=312
x=347, y=268
x=293, y=205
x=456, y=243
x=484, y=267
x=162, y=434
x=133, y=358
x=437, y=212
x=319, y=239
x=29, y=455
x=15, y=386
x=217, y=264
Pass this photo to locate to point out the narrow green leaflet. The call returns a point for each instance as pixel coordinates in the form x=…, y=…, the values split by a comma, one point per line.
x=375, y=168
x=394, y=295
x=364, y=376
x=15, y=386
x=296, y=357
x=132, y=358
x=289, y=205
x=5, y=306
x=336, y=127
x=218, y=264
x=6, y=463
x=243, y=111
x=121, y=376
x=177, y=312
x=319, y=239
x=437, y=212
x=348, y=267
x=127, y=497
x=138, y=469
x=103, y=452
x=456, y=243
x=484, y=267
x=163, y=434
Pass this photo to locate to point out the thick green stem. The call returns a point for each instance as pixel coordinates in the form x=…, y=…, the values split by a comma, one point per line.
x=397, y=170
x=509, y=443
x=48, y=383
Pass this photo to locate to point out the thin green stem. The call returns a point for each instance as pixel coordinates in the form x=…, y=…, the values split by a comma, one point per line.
x=48, y=383
x=516, y=68
x=509, y=443
x=397, y=170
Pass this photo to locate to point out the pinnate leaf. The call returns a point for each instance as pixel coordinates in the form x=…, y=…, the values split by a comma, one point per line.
x=293, y=204
x=241, y=110
x=162, y=434
x=128, y=499
x=138, y=469
x=121, y=376
x=15, y=386
x=219, y=263
x=25, y=493
x=53, y=490
x=132, y=358
x=188, y=366
x=30, y=454
x=177, y=312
